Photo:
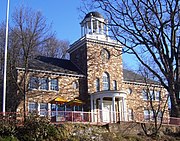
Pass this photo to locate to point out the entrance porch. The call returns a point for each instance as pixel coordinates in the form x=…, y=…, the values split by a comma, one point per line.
x=108, y=106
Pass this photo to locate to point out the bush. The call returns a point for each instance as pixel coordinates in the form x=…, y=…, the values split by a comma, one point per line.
x=36, y=128
x=7, y=128
x=8, y=138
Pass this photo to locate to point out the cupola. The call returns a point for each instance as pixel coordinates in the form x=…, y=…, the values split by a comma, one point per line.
x=94, y=23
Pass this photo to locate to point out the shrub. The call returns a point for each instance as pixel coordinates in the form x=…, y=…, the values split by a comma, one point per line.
x=7, y=128
x=36, y=128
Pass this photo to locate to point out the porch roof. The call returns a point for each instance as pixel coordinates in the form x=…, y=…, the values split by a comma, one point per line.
x=103, y=94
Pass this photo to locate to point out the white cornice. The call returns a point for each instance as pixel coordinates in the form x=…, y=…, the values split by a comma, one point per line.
x=100, y=39
x=143, y=84
x=51, y=72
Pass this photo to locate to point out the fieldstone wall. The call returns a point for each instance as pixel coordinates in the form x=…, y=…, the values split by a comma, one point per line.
x=65, y=89
x=138, y=105
x=96, y=66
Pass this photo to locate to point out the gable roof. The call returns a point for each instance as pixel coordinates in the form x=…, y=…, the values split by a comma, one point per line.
x=131, y=76
x=55, y=65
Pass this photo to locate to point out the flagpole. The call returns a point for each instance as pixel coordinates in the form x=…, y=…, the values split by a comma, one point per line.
x=5, y=59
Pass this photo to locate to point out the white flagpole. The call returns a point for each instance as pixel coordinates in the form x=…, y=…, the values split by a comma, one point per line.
x=5, y=59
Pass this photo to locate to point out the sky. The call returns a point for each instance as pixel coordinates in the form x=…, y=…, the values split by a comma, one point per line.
x=64, y=16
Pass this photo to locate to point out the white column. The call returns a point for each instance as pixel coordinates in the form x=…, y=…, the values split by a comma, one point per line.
x=102, y=28
x=92, y=109
x=101, y=108
x=91, y=26
x=95, y=111
x=113, y=109
x=97, y=24
x=106, y=27
x=120, y=109
x=124, y=109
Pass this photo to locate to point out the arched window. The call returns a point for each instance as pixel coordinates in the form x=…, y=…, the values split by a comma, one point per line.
x=106, y=80
x=97, y=84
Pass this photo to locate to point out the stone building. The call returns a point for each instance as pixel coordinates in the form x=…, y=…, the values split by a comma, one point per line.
x=95, y=75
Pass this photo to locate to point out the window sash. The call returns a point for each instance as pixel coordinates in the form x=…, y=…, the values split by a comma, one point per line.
x=130, y=114
x=43, y=109
x=32, y=107
x=54, y=84
x=146, y=115
x=114, y=85
x=145, y=95
x=43, y=83
x=105, y=81
x=33, y=84
x=97, y=85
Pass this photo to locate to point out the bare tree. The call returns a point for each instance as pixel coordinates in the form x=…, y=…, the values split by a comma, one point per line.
x=157, y=100
x=29, y=34
x=54, y=48
x=149, y=28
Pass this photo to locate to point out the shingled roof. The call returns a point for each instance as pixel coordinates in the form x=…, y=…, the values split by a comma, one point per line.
x=67, y=67
x=131, y=76
x=55, y=65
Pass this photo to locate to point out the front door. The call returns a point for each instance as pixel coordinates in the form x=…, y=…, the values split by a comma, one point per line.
x=107, y=116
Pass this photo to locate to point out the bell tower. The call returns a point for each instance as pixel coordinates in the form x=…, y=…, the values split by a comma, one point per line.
x=97, y=56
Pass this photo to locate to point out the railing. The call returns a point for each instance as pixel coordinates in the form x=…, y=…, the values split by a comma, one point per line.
x=85, y=117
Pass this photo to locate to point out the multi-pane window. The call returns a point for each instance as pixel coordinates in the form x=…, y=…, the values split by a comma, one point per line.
x=43, y=109
x=144, y=94
x=32, y=106
x=54, y=84
x=158, y=95
x=114, y=85
x=151, y=114
x=146, y=115
x=159, y=116
x=33, y=83
x=43, y=83
x=97, y=84
x=151, y=95
x=106, y=81
x=130, y=114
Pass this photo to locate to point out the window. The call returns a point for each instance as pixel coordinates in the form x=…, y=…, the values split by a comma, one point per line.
x=144, y=94
x=43, y=83
x=151, y=114
x=75, y=85
x=97, y=84
x=159, y=116
x=130, y=114
x=43, y=109
x=106, y=81
x=157, y=95
x=114, y=85
x=54, y=84
x=129, y=91
x=105, y=55
x=32, y=107
x=152, y=95
x=33, y=84
x=146, y=115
